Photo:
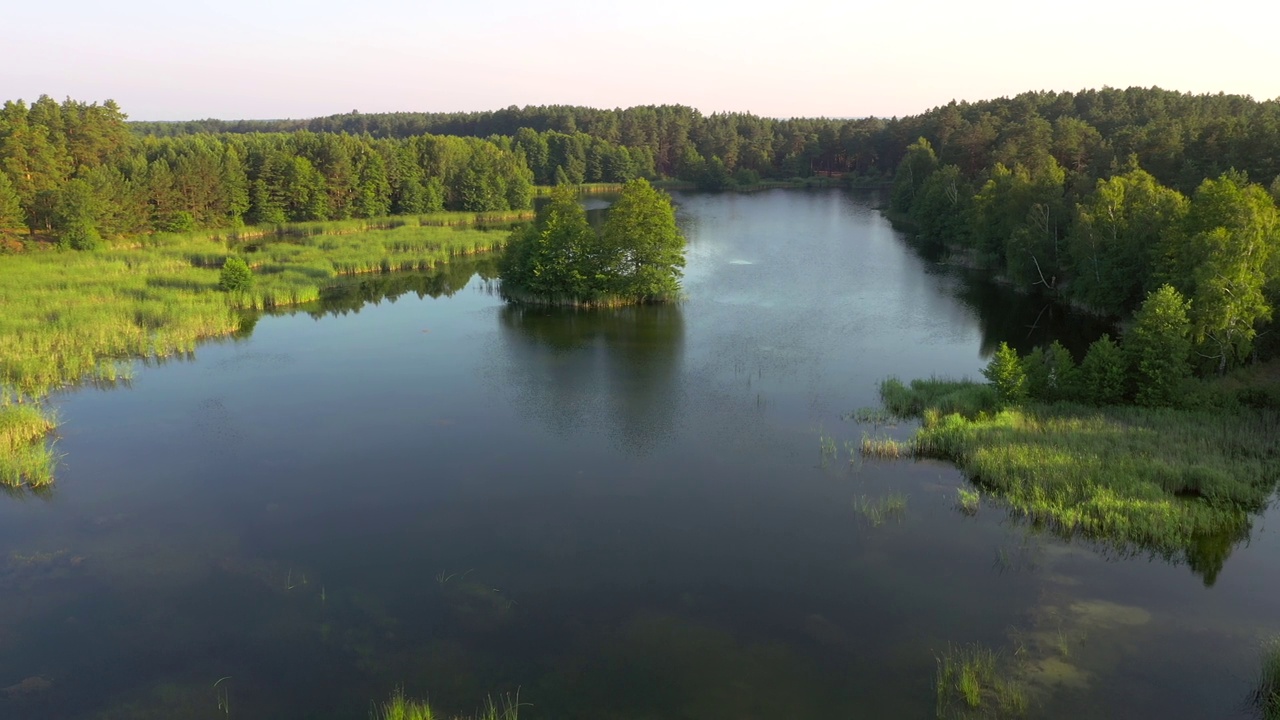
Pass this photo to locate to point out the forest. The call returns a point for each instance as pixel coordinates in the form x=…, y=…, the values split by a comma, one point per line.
x=74, y=172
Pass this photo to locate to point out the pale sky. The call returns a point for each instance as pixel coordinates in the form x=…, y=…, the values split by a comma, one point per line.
x=232, y=59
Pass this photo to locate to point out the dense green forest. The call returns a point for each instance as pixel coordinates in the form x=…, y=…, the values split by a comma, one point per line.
x=74, y=172
x=1180, y=138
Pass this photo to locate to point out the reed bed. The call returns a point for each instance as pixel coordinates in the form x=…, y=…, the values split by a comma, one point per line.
x=883, y=448
x=1155, y=479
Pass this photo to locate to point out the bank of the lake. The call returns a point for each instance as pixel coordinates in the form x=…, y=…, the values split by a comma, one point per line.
x=1160, y=480
x=644, y=512
x=84, y=317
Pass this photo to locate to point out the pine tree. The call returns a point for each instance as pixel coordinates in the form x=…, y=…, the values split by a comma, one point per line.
x=1104, y=373
x=1006, y=372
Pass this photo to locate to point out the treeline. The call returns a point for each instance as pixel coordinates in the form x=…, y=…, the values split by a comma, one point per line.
x=1180, y=138
x=74, y=171
x=1107, y=243
x=671, y=141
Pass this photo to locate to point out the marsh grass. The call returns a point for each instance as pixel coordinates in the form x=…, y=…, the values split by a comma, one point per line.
x=968, y=683
x=884, y=448
x=878, y=511
x=25, y=458
x=73, y=318
x=1266, y=694
x=827, y=447
x=398, y=707
x=968, y=501
x=1152, y=479
x=875, y=417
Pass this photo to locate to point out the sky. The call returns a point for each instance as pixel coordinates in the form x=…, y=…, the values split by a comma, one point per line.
x=234, y=59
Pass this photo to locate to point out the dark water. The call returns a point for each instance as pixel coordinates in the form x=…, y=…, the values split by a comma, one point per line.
x=620, y=514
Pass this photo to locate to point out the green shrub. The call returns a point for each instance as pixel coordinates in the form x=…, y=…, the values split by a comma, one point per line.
x=236, y=275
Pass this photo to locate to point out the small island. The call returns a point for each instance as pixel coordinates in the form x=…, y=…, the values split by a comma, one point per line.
x=559, y=259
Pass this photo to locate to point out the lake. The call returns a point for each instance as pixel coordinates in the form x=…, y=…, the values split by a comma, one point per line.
x=653, y=512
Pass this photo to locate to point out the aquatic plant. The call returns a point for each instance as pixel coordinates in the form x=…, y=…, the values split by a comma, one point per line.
x=872, y=416
x=967, y=679
x=968, y=501
x=827, y=446
x=890, y=507
x=884, y=448
x=1266, y=693
x=398, y=707
x=223, y=696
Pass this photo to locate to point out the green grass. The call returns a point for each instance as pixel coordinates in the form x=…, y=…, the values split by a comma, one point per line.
x=1266, y=694
x=72, y=318
x=968, y=683
x=401, y=708
x=968, y=501
x=601, y=188
x=891, y=507
x=1151, y=479
x=25, y=458
x=884, y=448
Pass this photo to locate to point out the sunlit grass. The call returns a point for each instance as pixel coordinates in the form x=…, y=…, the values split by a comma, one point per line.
x=25, y=457
x=72, y=318
x=1157, y=479
x=968, y=501
x=882, y=448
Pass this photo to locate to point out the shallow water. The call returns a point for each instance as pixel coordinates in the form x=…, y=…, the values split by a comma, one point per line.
x=622, y=514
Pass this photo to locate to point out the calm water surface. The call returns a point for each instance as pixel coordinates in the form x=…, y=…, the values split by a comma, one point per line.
x=615, y=514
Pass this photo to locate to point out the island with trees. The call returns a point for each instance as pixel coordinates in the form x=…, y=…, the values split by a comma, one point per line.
x=560, y=259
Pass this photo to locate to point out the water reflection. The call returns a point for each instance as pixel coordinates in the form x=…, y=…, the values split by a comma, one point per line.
x=1026, y=320
x=445, y=281
x=562, y=358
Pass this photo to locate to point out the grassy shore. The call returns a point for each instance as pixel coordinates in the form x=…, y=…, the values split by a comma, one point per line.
x=1159, y=480
x=82, y=317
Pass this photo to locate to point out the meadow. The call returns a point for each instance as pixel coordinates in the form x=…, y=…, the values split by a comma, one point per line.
x=74, y=318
